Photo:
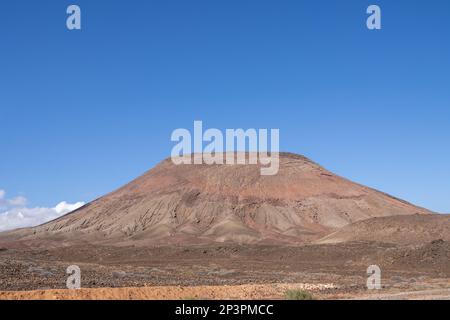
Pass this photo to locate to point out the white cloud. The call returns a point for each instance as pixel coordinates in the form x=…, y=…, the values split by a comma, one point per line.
x=64, y=207
x=14, y=213
x=17, y=202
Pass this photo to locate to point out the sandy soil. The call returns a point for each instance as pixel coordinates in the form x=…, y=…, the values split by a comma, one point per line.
x=241, y=292
x=261, y=291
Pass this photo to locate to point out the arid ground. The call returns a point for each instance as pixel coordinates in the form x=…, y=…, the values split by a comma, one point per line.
x=227, y=232
x=328, y=271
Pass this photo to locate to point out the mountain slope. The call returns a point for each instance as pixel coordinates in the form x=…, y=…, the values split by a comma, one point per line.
x=204, y=203
x=410, y=229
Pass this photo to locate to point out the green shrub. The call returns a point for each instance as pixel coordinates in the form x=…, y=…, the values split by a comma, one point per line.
x=298, y=295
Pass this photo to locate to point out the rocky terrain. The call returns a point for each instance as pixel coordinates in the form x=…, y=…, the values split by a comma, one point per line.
x=197, y=226
x=329, y=270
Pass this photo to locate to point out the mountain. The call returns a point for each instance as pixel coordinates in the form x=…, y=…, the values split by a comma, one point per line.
x=412, y=229
x=194, y=204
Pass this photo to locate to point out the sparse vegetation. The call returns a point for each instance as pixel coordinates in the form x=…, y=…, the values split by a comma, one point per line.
x=298, y=294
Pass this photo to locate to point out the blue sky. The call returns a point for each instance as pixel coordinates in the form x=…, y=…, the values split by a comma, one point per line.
x=83, y=112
